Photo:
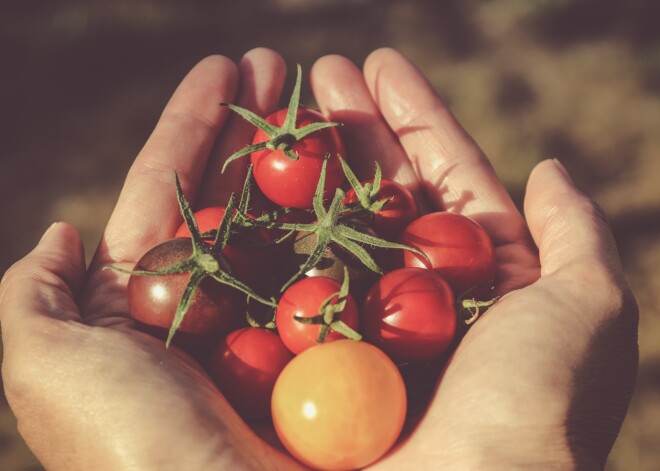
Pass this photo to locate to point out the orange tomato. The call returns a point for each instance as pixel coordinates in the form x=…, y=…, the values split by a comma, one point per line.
x=339, y=406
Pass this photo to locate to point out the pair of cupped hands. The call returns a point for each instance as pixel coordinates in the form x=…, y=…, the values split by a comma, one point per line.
x=542, y=381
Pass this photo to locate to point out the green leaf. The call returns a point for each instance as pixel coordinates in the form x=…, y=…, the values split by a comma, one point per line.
x=188, y=216
x=244, y=203
x=352, y=234
x=351, y=177
x=196, y=277
x=224, y=231
x=256, y=120
x=359, y=252
x=321, y=243
x=317, y=201
x=294, y=103
x=312, y=127
x=244, y=151
x=378, y=175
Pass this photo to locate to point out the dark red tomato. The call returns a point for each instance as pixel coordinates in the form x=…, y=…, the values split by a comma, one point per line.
x=292, y=183
x=396, y=214
x=458, y=248
x=303, y=299
x=409, y=314
x=152, y=300
x=335, y=259
x=245, y=366
x=251, y=256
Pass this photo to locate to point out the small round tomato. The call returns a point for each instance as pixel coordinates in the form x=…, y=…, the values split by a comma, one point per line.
x=251, y=254
x=245, y=366
x=339, y=406
x=303, y=299
x=409, y=314
x=458, y=248
x=335, y=259
x=153, y=299
x=397, y=213
x=292, y=183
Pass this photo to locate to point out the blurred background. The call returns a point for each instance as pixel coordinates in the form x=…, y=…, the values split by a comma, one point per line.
x=83, y=82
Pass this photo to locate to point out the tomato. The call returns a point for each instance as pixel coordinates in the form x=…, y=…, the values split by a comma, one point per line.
x=292, y=183
x=335, y=259
x=251, y=254
x=398, y=212
x=245, y=366
x=458, y=248
x=303, y=299
x=409, y=314
x=339, y=406
x=153, y=300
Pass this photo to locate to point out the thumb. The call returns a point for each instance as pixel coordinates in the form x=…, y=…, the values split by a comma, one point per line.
x=569, y=229
x=46, y=281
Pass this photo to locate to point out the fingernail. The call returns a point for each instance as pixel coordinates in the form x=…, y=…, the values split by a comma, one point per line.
x=50, y=228
x=563, y=170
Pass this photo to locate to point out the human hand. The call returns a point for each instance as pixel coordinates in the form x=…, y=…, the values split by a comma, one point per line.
x=544, y=379
x=531, y=385
x=89, y=390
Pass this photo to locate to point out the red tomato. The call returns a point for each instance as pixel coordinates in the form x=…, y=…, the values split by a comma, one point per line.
x=396, y=214
x=292, y=183
x=153, y=300
x=303, y=299
x=458, y=248
x=339, y=406
x=245, y=366
x=409, y=314
x=251, y=256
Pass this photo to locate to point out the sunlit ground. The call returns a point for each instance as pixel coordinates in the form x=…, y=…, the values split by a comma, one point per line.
x=83, y=82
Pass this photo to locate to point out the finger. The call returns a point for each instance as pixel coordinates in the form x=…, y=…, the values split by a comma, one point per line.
x=457, y=175
x=43, y=284
x=343, y=96
x=147, y=211
x=570, y=230
x=262, y=73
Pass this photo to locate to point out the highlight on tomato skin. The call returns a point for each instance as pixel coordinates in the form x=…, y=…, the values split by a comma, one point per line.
x=457, y=247
x=410, y=314
x=339, y=406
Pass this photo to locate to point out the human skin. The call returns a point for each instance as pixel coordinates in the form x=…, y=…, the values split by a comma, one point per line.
x=542, y=381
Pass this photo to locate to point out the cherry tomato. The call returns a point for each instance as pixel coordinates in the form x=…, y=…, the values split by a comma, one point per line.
x=245, y=366
x=252, y=255
x=292, y=183
x=458, y=248
x=153, y=300
x=335, y=259
x=409, y=314
x=339, y=406
x=398, y=212
x=303, y=299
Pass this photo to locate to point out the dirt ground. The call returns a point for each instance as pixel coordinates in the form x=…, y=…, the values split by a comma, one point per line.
x=83, y=82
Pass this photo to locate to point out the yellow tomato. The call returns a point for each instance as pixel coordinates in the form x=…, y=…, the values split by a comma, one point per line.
x=339, y=406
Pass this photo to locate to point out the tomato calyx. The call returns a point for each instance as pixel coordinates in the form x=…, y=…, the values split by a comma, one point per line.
x=329, y=228
x=280, y=138
x=206, y=261
x=329, y=313
x=470, y=309
x=367, y=194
